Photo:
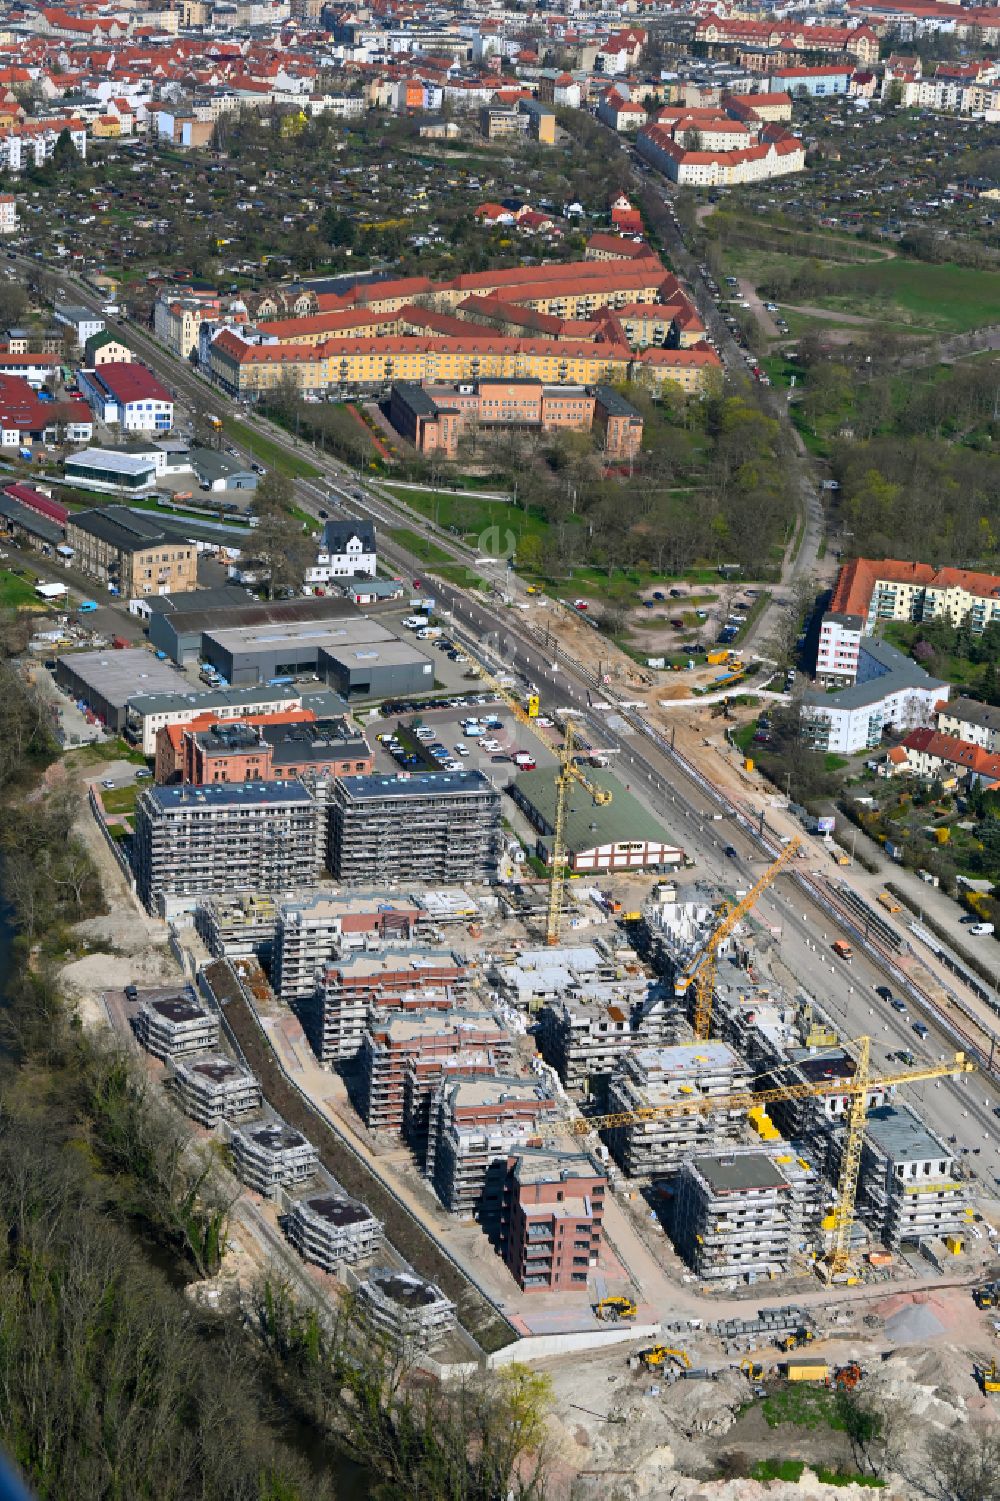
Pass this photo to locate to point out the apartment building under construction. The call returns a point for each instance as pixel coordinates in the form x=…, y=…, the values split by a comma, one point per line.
x=743, y=1212
x=436, y=826
x=651, y=1077
x=335, y=1014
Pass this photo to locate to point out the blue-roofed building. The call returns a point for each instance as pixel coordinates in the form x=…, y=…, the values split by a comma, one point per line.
x=192, y=842
x=436, y=826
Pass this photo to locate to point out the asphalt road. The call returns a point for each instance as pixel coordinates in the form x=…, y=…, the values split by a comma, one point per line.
x=963, y=1109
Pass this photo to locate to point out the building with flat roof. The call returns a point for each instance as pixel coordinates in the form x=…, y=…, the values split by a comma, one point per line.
x=745, y=1212
x=551, y=1218
x=474, y=1123
x=405, y=1309
x=651, y=1078
x=587, y=1027
x=348, y=989
x=235, y=751
x=313, y=931
x=131, y=551
x=333, y=1231
x=147, y=712
x=241, y=926
x=272, y=1156
x=392, y=1039
x=215, y=1089
x=170, y=1026
x=178, y=626
x=620, y=835
x=106, y=680
x=192, y=842
x=111, y=471
x=432, y=827
x=907, y=1188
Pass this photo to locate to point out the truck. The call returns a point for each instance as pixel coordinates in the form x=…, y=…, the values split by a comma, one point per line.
x=843, y=950
x=888, y=901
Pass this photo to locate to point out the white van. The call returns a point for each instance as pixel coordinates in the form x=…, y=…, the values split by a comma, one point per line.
x=980, y=929
x=415, y=622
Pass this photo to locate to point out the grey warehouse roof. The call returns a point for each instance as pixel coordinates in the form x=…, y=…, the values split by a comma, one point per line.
x=131, y=531
x=31, y=521
x=276, y=612
x=118, y=675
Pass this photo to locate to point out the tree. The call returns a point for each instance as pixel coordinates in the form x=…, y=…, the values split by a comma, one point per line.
x=65, y=157
x=965, y=1463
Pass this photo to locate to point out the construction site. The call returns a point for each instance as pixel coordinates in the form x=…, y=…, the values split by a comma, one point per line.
x=650, y=1126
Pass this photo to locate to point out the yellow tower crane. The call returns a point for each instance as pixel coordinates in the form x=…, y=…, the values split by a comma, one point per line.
x=568, y=773
x=702, y=973
x=857, y=1089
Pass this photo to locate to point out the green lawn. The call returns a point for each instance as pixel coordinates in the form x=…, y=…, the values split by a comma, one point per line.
x=792, y=1469
x=483, y=523
x=15, y=592
x=420, y=547
x=910, y=295
x=803, y=1405
x=267, y=451
x=120, y=799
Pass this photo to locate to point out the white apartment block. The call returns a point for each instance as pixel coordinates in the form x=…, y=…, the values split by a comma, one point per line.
x=890, y=692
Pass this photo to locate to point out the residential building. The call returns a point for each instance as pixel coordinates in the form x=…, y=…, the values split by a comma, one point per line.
x=151, y=710
x=348, y=989
x=431, y=827
x=651, y=1078
x=586, y=1031
x=10, y=221
x=890, y=693
x=196, y=842
x=474, y=1123
x=215, y=1089
x=272, y=1156
x=127, y=395
x=908, y=1190
x=333, y=1231
x=743, y=1213
x=348, y=550
x=403, y=1308
x=312, y=932
x=928, y=753
x=81, y=320
x=238, y=927
x=393, y=1039
x=551, y=1218
x=869, y=590
x=719, y=146
x=970, y=720
x=105, y=348
x=617, y=835
x=172, y=1025
x=131, y=551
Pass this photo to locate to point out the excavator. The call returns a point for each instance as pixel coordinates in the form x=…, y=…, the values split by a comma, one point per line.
x=795, y=1339
x=986, y=1296
x=988, y=1377
x=751, y=1369
x=611, y=1310
x=656, y=1357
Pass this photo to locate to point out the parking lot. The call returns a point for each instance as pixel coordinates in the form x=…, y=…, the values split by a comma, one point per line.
x=443, y=736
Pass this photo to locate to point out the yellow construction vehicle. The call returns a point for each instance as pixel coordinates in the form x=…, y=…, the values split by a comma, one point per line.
x=612, y=1309
x=657, y=1356
x=988, y=1377
x=750, y=1369
x=703, y=974
x=795, y=1339
x=856, y=1089
x=986, y=1296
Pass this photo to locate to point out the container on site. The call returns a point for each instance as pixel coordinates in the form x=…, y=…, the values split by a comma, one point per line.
x=807, y=1370
x=748, y=764
x=843, y=950
x=715, y=657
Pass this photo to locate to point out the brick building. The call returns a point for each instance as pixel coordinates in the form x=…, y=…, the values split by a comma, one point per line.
x=243, y=752
x=130, y=551
x=434, y=418
x=335, y=1014
x=551, y=1218
x=392, y=1039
